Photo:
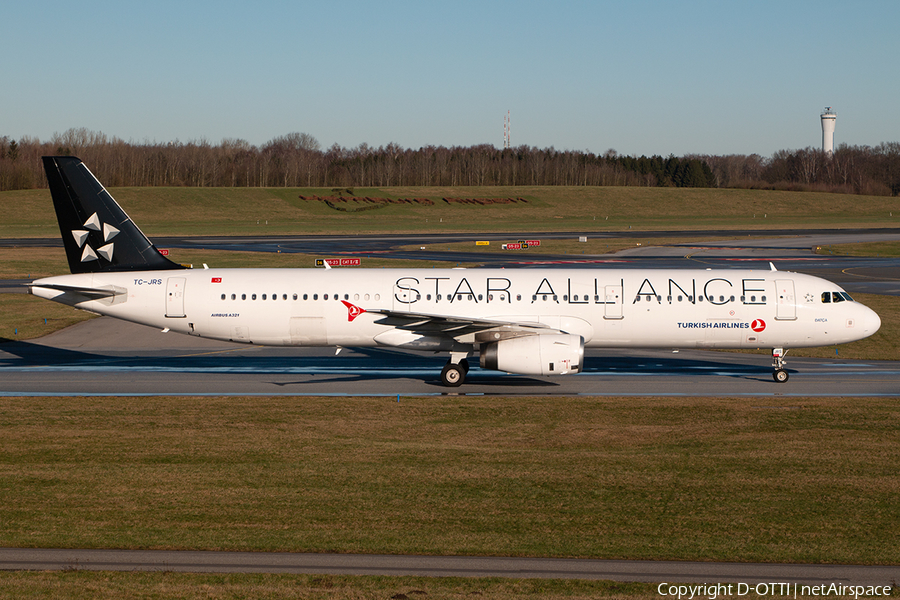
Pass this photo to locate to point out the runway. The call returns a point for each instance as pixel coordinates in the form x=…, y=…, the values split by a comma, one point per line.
x=449, y=566
x=106, y=356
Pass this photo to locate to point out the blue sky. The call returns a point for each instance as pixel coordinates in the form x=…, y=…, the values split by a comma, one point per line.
x=709, y=77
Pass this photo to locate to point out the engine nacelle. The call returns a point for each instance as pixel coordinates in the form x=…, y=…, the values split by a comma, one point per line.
x=543, y=354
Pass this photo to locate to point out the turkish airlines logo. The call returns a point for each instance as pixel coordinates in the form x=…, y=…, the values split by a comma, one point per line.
x=758, y=325
x=353, y=311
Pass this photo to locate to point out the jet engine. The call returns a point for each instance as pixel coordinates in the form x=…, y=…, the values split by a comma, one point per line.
x=542, y=354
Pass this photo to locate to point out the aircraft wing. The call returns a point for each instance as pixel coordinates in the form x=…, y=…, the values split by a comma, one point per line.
x=463, y=329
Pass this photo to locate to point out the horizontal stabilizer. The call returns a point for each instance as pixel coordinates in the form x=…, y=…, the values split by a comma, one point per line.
x=92, y=293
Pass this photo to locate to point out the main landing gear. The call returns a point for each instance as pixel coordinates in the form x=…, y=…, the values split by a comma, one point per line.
x=780, y=375
x=454, y=372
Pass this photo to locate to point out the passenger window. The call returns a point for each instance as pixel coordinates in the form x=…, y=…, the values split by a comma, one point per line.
x=295, y=296
x=366, y=297
x=315, y=296
x=243, y=296
x=263, y=296
x=234, y=296
x=253, y=297
x=325, y=297
x=378, y=296
x=223, y=296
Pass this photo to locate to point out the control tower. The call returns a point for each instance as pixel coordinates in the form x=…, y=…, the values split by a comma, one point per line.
x=828, y=119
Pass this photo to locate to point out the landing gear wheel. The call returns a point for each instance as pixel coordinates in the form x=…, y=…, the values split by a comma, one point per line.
x=780, y=375
x=453, y=375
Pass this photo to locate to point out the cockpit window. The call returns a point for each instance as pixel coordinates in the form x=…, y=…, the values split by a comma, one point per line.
x=836, y=297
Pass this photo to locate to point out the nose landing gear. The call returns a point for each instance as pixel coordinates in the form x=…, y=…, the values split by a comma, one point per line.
x=780, y=375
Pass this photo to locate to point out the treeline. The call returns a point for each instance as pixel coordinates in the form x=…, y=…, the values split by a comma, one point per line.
x=298, y=160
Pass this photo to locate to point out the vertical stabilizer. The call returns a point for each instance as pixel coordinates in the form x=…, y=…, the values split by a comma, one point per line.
x=97, y=234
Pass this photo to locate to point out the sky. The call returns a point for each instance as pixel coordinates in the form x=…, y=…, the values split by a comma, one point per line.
x=639, y=77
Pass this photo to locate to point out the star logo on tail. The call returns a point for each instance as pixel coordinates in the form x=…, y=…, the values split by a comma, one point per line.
x=105, y=229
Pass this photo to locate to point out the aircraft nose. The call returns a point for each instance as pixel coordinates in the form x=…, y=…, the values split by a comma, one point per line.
x=871, y=322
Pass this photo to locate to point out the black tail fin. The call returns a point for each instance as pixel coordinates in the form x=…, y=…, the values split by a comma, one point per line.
x=97, y=234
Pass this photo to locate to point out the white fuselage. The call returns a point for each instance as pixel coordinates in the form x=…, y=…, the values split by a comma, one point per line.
x=650, y=308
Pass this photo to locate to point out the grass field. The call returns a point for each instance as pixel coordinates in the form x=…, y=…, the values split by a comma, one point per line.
x=798, y=480
x=877, y=249
x=271, y=211
x=78, y=585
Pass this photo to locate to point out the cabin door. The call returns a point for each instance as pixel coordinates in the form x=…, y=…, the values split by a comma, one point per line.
x=175, y=297
x=786, y=309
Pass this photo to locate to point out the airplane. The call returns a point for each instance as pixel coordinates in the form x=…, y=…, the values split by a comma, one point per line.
x=524, y=321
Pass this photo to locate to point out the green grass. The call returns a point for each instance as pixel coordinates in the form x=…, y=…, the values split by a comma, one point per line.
x=277, y=211
x=593, y=245
x=117, y=586
x=799, y=480
x=877, y=249
x=24, y=317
